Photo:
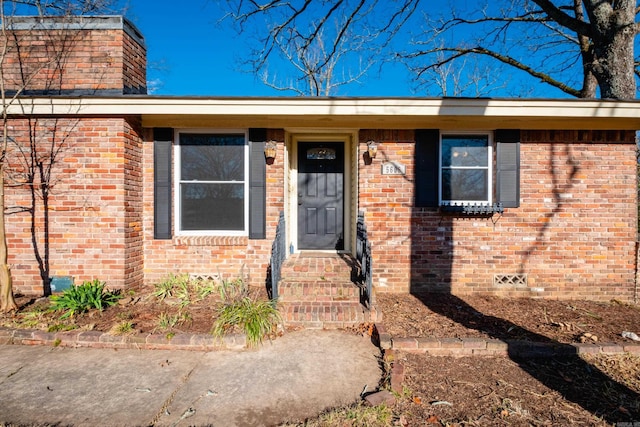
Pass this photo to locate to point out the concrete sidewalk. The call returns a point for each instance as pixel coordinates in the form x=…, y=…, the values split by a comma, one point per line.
x=294, y=377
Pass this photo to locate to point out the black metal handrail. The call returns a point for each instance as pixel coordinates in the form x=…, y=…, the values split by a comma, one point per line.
x=278, y=255
x=363, y=256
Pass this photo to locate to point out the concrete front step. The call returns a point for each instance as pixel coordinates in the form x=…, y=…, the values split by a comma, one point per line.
x=318, y=291
x=323, y=315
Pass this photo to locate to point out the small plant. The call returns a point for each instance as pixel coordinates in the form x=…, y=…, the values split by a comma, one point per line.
x=178, y=286
x=204, y=288
x=33, y=318
x=255, y=318
x=165, y=321
x=183, y=293
x=122, y=328
x=78, y=299
x=168, y=287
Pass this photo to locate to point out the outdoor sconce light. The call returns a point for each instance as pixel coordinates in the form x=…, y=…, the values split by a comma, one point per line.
x=372, y=149
x=270, y=150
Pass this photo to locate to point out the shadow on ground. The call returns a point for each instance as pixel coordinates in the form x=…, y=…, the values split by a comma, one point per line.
x=570, y=375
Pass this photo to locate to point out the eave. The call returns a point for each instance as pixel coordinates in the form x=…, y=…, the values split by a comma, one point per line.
x=352, y=113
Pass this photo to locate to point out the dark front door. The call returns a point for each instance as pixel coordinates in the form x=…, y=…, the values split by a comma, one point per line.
x=320, y=195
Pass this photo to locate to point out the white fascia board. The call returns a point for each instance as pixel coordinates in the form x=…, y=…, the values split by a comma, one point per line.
x=327, y=107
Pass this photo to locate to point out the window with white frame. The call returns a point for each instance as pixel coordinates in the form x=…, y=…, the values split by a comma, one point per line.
x=465, y=169
x=212, y=183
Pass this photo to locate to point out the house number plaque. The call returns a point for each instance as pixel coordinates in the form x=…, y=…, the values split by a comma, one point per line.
x=393, y=168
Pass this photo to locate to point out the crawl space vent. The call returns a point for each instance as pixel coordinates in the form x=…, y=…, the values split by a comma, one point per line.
x=510, y=280
x=204, y=277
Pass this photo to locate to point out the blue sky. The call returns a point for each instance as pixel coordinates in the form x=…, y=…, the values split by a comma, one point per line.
x=190, y=53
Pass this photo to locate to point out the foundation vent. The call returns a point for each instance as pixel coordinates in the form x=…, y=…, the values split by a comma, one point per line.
x=510, y=280
x=204, y=276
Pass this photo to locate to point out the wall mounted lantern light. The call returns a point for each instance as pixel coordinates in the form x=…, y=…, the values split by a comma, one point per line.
x=270, y=150
x=372, y=149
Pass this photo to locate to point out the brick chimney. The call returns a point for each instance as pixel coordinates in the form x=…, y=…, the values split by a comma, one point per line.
x=74, y=55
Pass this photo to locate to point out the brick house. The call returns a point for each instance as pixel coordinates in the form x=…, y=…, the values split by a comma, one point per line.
x=499, y=196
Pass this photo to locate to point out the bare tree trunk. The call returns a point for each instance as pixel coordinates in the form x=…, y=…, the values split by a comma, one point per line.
x=7, y=302
x=614, y=33
x=614, y=70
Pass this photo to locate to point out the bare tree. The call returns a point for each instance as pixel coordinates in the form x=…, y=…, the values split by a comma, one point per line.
x=580, y=47
x=55, y=7
x=467, y=77
x=584, y=48
x=19, y=74
x=314, y=71
x=327, y=45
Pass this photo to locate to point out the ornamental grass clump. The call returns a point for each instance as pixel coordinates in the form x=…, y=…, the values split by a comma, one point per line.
x=256, y=318
x=81, y=298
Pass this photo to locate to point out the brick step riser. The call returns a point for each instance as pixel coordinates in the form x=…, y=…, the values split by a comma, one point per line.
x=316, y=276
x=323, y=325
x=318, y=292
x=301, y=314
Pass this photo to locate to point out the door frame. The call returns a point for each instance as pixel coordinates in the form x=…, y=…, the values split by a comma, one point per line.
x=348, y=137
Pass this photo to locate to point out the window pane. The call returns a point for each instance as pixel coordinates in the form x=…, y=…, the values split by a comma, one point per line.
x=470, y=150
x=205, y=157
x=212, y=206
x=465, y=185
x=321, y=154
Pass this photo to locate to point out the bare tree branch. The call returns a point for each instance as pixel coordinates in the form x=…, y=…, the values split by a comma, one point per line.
x=568, y=44
x=460, y=52
x=564, y=19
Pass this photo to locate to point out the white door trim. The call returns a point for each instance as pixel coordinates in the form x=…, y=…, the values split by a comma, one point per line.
x=349, y=138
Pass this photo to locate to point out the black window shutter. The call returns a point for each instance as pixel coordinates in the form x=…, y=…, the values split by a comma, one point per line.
x=508, y=167
x=427, y=173
x=257, y=184
x=162, y=145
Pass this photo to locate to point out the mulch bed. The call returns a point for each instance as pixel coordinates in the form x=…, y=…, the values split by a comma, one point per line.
x=592, y=390
x=447, y=316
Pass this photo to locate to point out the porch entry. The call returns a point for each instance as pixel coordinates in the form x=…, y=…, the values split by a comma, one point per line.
x=321, y=195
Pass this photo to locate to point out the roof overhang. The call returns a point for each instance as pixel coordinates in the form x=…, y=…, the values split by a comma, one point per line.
x=354, y=113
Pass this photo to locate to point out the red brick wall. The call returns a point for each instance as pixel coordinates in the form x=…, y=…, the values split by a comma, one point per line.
x=94, y=207
x=133, y=202
x=573, y=235
x=228, y=257
x=64, y=60
x=134, y=75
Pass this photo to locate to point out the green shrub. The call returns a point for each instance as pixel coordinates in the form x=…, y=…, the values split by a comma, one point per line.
x=255, y=318
x=78, y=299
